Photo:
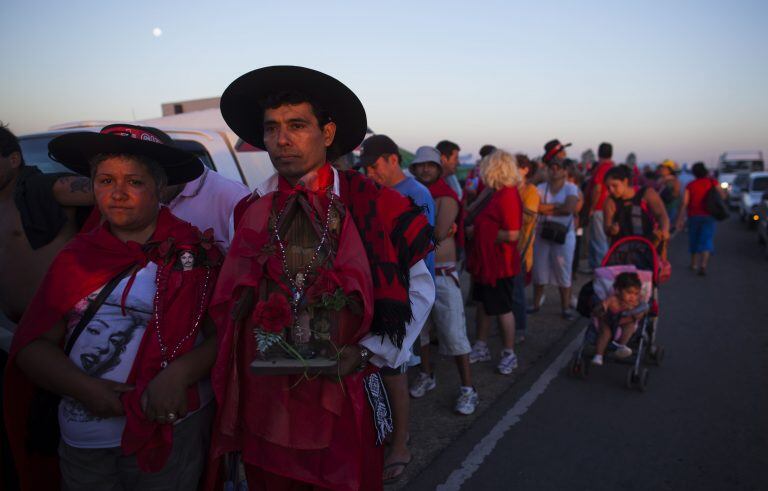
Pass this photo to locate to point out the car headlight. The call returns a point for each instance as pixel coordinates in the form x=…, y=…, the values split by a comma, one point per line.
x=725, y=185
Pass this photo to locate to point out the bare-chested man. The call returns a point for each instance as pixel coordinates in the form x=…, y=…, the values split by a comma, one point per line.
x=37, y=217
x=448, y=312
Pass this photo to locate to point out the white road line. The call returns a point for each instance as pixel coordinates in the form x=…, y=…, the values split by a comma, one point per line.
x=485, y=446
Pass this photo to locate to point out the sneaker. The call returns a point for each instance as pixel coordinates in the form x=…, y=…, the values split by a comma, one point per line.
x=597, y=360
x=467, y=401
x=508, y=363
x=423, y=384
x=622, y=351
x=480, y=352
x=569, y=314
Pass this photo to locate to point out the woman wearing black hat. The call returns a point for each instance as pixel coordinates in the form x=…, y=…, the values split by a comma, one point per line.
x=131, y=315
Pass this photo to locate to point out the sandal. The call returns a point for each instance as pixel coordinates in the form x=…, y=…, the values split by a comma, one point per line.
x=396, y=478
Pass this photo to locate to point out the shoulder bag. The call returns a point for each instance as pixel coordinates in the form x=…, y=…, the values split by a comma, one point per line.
x=43, y=432
x=554, y=231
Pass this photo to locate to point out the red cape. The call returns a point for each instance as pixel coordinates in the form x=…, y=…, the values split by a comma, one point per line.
x=86, y=263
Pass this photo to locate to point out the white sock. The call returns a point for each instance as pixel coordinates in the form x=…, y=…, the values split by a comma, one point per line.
x=509, y=352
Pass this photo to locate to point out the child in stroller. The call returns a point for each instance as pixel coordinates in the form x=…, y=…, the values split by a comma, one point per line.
x=622, y=309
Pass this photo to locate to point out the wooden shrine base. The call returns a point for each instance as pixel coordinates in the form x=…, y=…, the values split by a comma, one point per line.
x=290, y=366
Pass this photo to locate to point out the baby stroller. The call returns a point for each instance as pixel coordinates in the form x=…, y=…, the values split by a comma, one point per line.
x=635, y=254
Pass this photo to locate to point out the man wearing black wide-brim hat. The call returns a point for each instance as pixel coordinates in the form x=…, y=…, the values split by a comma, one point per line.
x=293, y=430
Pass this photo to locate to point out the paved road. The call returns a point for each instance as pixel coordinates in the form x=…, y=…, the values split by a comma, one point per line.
x=702, y=424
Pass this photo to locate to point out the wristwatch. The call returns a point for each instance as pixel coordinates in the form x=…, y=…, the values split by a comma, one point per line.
x=365, y=356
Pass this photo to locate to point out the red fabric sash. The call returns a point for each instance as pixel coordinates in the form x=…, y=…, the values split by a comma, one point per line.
x=86, y=263
x=441, y=189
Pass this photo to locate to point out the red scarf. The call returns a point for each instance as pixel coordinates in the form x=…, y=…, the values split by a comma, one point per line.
x=86, y=263
x=440, y=189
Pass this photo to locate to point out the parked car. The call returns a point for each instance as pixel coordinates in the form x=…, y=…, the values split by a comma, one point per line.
x=734, y=189
x=751, y=196
x=732, y=163
x=762, y=223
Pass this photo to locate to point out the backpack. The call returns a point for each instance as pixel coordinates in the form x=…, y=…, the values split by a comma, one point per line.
x=714, y=204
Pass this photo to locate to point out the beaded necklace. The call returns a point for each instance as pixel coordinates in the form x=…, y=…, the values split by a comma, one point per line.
x=297, y=283
x=164, y=351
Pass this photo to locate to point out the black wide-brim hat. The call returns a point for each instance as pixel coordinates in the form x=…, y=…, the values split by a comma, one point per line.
x=243, y=110
x=75, y=150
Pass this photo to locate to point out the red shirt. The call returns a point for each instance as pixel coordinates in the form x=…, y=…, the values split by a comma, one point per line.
x=599, y=178
x=697, y=192
x=490, y=260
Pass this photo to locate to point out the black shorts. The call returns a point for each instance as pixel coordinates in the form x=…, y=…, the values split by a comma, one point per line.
x=496, y=300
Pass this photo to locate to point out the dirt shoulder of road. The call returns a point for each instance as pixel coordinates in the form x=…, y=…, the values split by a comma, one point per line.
x=434, y=425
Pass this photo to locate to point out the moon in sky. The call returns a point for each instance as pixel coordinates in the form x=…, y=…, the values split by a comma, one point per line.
x=157, y=32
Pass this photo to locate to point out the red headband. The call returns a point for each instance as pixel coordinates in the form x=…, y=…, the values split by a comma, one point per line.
x=554, y=151
x=135, y=133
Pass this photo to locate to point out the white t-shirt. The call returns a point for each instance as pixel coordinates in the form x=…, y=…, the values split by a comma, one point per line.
x=106, y=349
x=547, y=197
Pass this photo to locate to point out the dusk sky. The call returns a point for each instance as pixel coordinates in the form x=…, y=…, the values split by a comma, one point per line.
x=679, y=79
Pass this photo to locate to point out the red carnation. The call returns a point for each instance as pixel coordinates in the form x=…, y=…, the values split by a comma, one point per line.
x=274, y=314
x=327, y=282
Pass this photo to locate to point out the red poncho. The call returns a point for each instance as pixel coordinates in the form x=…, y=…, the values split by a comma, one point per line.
x=86, y=263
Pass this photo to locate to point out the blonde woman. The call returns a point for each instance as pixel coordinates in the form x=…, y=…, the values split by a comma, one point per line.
x=494, y=259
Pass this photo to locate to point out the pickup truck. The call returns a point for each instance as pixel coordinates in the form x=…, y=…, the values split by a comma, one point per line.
x=215, y=144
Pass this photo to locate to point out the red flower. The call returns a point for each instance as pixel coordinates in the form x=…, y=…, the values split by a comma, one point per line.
x=327, y=282
x=274, y=314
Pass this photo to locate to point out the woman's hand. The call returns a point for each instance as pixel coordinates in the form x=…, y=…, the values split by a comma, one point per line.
x=165, y=398
x=102, y=397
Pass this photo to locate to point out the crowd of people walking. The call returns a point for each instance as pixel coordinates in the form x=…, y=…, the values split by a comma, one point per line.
x=195, y=333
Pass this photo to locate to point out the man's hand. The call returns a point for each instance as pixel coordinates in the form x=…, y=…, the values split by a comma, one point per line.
x=166, y=395
x=349, y=360
x=102, y=397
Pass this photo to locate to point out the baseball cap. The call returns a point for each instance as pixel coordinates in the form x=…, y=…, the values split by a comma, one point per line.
x=376, y=146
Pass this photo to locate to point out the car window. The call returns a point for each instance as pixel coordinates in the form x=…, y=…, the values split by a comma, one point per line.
x=35, y=151
x=760, y=184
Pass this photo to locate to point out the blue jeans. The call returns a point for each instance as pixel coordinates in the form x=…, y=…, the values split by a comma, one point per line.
x=598, y=241
x=518, y=301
